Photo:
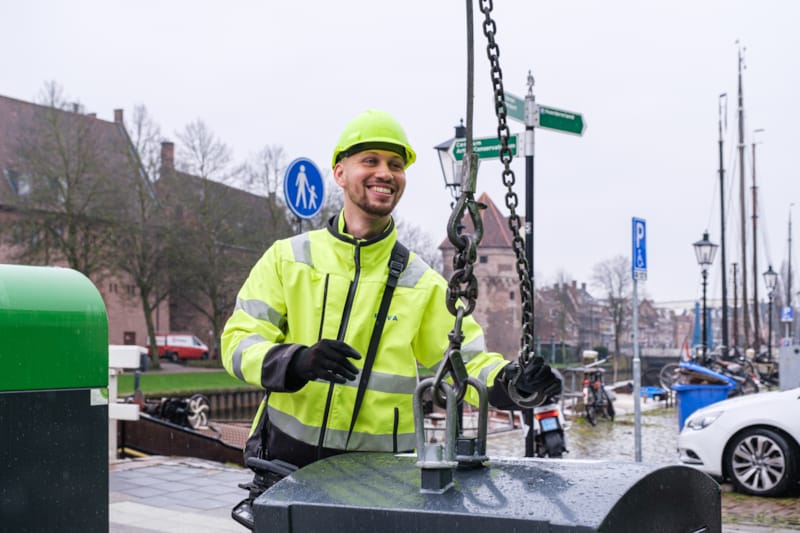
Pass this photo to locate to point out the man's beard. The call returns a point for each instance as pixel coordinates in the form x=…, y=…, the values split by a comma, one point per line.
x=376, y=210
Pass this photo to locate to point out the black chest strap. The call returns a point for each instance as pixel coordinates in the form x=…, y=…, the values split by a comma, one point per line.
x=397, y=263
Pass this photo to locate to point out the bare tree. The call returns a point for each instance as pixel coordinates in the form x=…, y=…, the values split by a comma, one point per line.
x=145, y=134
x=202, y=154
x=267, y=169
x=416, y=239
x=612, y=276
x=71, y=196
x=214, y=243
x=264, y=176
x=141, y=243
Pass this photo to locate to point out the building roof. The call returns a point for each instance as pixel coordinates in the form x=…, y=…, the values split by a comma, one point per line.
x=25, y=126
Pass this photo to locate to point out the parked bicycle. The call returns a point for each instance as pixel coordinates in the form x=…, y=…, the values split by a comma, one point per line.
x=595, y=396
x=767, y=369
x=737, y=368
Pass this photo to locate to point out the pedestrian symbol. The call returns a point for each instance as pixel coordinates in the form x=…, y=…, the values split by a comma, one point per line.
x=303, y=188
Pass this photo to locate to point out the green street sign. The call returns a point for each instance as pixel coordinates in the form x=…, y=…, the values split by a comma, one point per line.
x=485, y=148
x=559, y=120
x=515, y=107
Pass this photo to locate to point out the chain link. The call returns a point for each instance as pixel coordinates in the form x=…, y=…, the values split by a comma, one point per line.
x=512, y=201
x=463, y=285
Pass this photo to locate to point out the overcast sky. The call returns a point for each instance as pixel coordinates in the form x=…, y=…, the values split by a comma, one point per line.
x=645, y=75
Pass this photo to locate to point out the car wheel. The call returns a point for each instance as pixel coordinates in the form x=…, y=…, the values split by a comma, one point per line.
x=173, y=356
x=761, y=462
x=205, y=355
x=198, y=411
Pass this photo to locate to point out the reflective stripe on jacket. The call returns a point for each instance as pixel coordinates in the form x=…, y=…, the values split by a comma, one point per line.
x=326, y=284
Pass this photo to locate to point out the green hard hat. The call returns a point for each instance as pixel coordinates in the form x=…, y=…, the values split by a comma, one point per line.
x=376, y=130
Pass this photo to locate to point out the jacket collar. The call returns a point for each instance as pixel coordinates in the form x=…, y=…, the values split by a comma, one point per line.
x=336, y=228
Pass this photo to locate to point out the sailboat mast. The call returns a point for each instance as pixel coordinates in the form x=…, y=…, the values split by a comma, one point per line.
x=743, y=208
x=735, y=308
x=789, y=276
x=725, y=343
x=756, y=313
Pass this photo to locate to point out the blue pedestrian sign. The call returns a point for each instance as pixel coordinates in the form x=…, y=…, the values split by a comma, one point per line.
x=787, y=314
x=303, y=187
x=639, y=259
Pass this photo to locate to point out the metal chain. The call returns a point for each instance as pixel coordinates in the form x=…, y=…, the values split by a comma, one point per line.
x=514, y=223
x=462, y=287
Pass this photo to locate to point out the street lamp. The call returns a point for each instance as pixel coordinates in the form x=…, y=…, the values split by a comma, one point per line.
x=705, y=251
x=771, y=281
x=450, y=167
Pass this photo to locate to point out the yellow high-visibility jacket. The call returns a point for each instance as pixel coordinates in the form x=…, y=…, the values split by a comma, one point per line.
x=324, y=284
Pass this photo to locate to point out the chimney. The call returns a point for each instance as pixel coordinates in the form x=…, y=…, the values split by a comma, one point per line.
x=167, y=156
x=583, y=287
x=574, y=284
x=118, y=116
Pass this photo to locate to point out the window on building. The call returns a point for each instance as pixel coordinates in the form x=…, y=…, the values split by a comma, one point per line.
x=129, y=337
x=20, y=183
x=484, y=259
x=511, y=295
x=131, y=289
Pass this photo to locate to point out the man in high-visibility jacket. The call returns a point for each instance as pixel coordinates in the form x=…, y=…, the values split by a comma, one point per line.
x=304, y=319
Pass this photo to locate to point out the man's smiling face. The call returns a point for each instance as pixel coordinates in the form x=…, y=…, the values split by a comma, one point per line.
x=373, y=181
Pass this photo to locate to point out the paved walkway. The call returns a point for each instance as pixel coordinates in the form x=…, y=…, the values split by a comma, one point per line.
x=174, y=495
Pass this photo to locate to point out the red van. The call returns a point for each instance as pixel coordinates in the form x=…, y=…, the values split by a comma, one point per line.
x=179, y=346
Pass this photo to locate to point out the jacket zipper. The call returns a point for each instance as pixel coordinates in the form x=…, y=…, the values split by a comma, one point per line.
x=351, y=294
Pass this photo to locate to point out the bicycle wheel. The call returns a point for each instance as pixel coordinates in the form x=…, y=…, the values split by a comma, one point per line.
x=607, y=409
x=591, y=408
x=668, y=375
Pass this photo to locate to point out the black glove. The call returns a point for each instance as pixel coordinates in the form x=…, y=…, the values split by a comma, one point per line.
x=327, y=359
x=536, y=382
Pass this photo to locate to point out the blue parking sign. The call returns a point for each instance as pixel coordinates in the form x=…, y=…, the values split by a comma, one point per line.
x=303, y=187
x=639, y=252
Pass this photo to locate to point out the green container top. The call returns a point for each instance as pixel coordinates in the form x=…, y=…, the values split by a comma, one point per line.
x=53, y=330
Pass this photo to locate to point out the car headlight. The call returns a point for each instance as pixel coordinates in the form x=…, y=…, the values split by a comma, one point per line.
x=703, y=420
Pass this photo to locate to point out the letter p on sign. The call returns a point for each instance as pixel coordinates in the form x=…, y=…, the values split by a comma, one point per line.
x=639, y=252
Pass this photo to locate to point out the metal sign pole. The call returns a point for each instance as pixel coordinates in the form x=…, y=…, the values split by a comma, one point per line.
x=530, y=110
x=637, y=372
x=638, y=272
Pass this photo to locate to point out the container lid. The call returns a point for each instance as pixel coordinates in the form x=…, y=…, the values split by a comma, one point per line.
x=696, y=370
x=54, y=330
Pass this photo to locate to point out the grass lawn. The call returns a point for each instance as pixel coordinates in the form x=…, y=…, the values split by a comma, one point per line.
x=180, y=383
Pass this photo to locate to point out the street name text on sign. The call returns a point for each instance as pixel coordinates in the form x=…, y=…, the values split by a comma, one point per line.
x=515, y=107
x=484, y=148
x=639, y=245
x=303, y=187
x=559, y=120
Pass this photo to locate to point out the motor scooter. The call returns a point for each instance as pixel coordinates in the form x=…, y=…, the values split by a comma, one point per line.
x=549, y=439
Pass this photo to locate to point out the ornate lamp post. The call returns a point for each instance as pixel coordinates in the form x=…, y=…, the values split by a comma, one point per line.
x=771, y=281
x=450, y=167
x=705, y=251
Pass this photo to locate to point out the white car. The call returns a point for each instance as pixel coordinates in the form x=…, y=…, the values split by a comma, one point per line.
x=752, y=440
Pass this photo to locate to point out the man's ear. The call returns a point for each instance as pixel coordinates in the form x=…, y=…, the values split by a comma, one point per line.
x=338, y=174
